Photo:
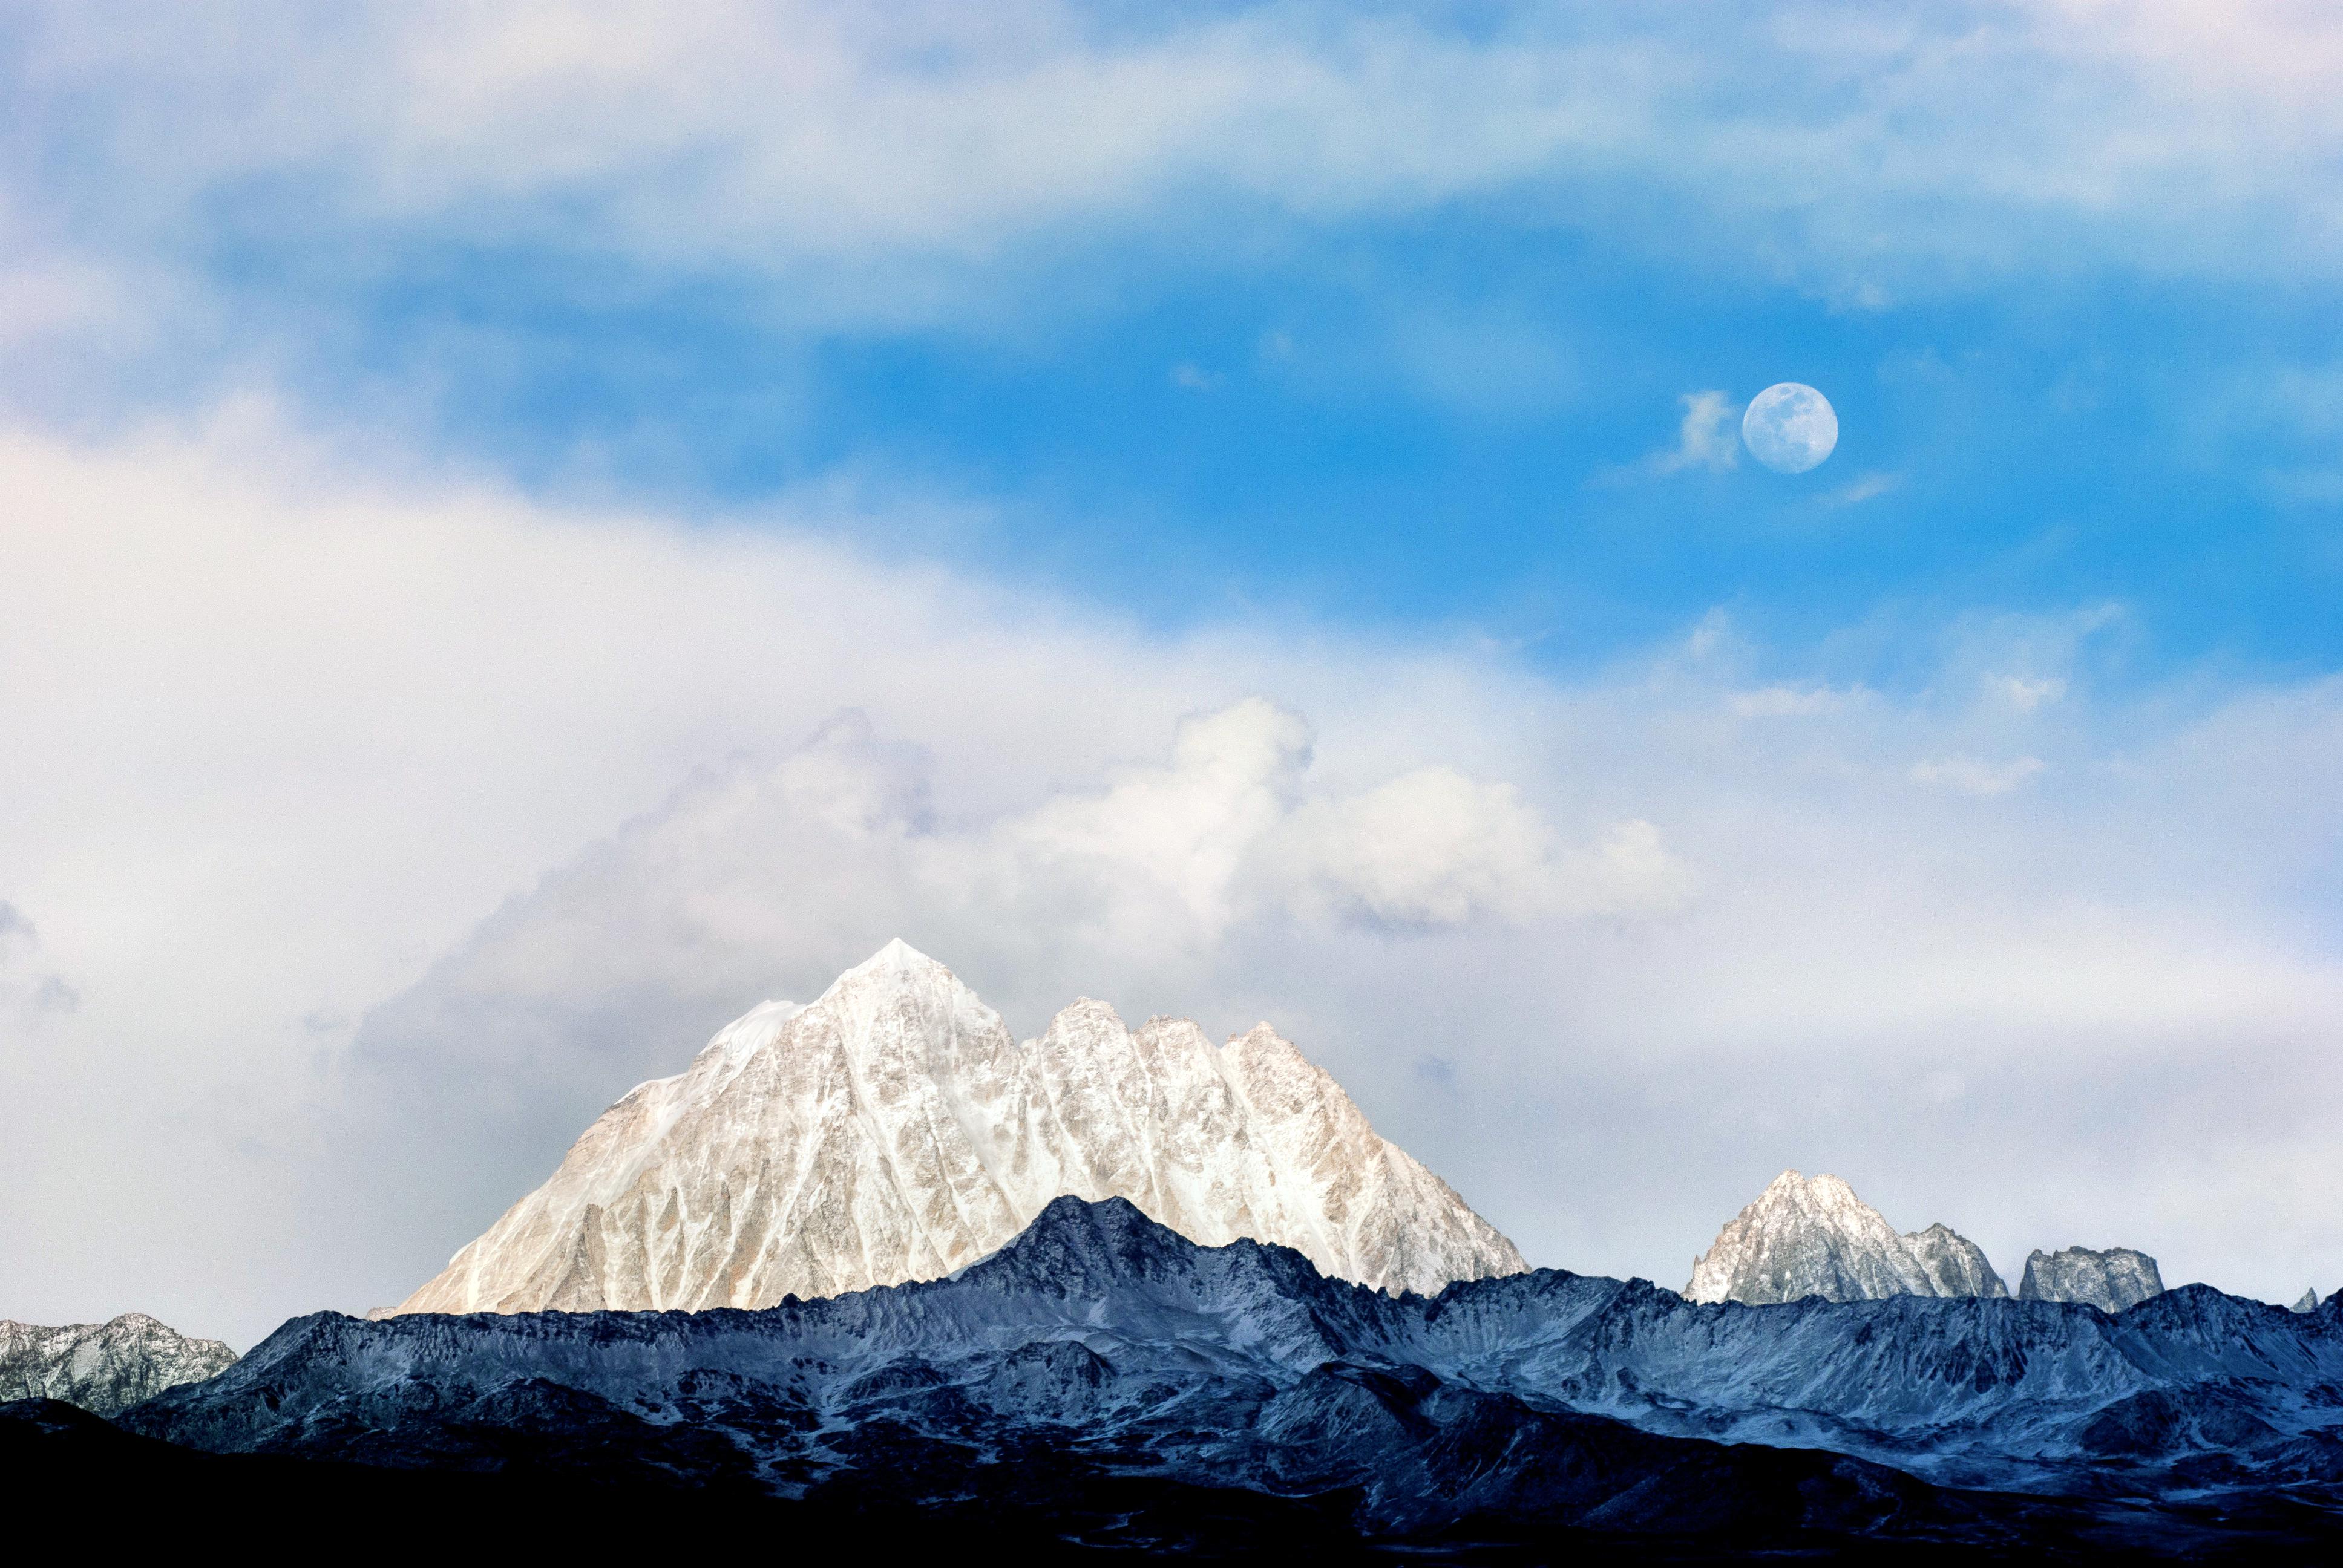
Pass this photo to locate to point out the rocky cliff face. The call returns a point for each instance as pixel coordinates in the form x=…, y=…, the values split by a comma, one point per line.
x=893, y=1130
x=2109, y=1280
x=105, y=1368
x=2309, y=1302
x=1812, y=1236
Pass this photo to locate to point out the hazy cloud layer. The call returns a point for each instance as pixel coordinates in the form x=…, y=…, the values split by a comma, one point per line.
x=387, y=831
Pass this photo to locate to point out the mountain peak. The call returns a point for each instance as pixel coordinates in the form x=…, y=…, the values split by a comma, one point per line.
x=894, y=1131
x=105, y=1367
x=897, y=958
x=1813, y=1236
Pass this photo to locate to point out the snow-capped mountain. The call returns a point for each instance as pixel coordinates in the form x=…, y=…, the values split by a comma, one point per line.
x=2109, y=1280
x=1101, y=1340
x=894, y=1131
x=2309, y=1302
x=1956, y=1265
x=105, y=1368
x=1812, y=1236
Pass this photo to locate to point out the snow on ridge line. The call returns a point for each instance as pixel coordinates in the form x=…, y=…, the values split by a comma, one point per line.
x=1812, y=1236
x=892, y=1129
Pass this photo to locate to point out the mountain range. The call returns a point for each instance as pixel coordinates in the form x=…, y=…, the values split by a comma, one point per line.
x=1811, y=1236
x=868, y=1269
x=1100, y=1347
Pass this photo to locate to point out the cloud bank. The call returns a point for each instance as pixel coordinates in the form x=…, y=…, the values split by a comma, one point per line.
x=388, y=828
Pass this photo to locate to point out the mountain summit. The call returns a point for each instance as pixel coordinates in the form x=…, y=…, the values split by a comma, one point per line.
x=893, y=1130
x=1812, y=1236
x=2111, y=1280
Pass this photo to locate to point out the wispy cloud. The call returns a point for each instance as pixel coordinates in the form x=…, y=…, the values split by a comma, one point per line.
x=2026, y=693
x=861, y=155
x=1195, y=377
x=1705, y=439
x=1862, y=488
x=28, y=989
x=1789, y=701
x=1972, y=776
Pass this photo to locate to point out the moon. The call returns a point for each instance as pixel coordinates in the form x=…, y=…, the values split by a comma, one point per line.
x=1790, y=428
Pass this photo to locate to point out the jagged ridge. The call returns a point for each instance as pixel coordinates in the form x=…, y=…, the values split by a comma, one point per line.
x=1124, y=1338
x=1812, y=1236
x=892, y=1131
x=106, y=1367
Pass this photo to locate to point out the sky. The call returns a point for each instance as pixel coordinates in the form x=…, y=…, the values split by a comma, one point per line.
x=525, y=531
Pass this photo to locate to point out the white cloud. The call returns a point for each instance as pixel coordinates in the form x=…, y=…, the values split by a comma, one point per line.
x=1195, y=378
x=28, y=993
x=1707, y=437
x=880, y=163
x=2027, y=693
x=1975, y=778
x=388, y=828
x=1789, y=701
x=1862, y=488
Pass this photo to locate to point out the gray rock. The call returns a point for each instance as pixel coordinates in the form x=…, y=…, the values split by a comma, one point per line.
x=2309, y=1302
x=2109, y=1280
x=103, y=1368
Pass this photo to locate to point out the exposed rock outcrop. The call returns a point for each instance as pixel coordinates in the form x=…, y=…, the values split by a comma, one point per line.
x=2109, y=1280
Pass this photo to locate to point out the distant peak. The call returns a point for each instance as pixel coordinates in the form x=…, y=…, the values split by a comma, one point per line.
x=898, y=957
x=1085, y=1007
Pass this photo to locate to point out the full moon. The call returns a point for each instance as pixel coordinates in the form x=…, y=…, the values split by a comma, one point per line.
x=1790, y=428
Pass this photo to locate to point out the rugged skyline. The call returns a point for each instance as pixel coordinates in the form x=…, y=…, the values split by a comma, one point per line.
x=529, y=532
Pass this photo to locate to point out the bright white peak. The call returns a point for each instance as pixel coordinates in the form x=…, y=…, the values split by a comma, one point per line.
x=893, y=1130
x=1812, y=1236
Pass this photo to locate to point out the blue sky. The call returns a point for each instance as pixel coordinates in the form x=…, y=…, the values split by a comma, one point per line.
x=1402, y=430
x=493, y=491
x=1180, y=391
